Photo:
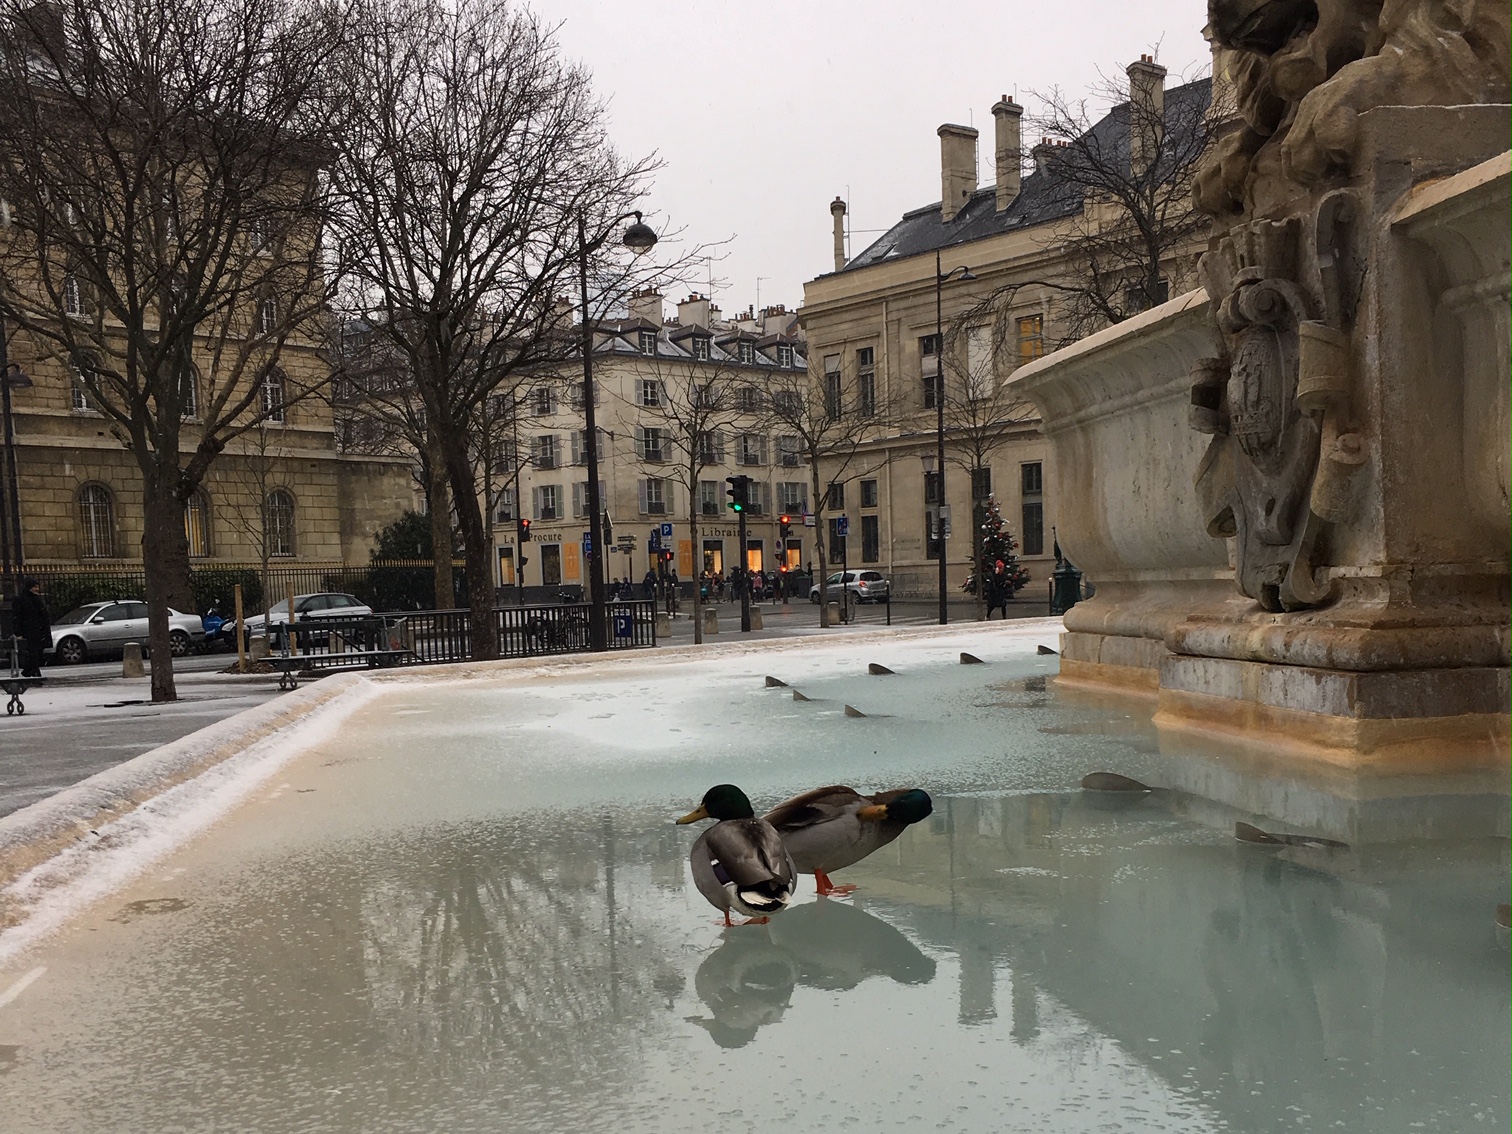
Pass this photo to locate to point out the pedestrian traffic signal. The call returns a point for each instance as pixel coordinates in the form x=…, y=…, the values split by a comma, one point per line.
x=739, y=492
x=524, y=531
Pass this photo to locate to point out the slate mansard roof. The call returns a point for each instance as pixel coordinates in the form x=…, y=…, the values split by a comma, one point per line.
x=622, y=336
x=1043, y=195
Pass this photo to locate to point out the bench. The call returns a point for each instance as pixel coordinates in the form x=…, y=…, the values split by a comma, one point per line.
x=348, y=642
x=12, y=682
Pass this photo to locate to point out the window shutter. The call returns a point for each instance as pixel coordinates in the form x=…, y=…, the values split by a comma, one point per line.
x=761, y=449
x=577, y=446
x=579, y=488
x=535, y=502
x=641, y=485
x=640, y=453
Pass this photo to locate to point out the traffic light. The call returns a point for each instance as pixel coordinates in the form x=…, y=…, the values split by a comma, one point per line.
x=784, y=528
x=524, y=530
x=739, y=492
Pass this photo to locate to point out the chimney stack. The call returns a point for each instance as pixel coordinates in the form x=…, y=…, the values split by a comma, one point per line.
x=837, y=210
x=958, y=168
x=1009, y=150
x=646, y=305
x=693, y=311
x=1146, y=112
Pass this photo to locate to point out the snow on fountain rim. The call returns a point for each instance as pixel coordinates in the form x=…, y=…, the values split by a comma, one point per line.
x=64, y=853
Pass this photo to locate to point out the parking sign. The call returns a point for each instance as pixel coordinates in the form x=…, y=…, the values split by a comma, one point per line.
x=842, y=526
x=666, y=531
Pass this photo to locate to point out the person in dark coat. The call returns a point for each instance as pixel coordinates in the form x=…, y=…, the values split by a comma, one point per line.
x=31, y=625
x=997, y=590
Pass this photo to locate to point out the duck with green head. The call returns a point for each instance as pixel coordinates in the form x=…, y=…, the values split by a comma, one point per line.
x=740, y=862
x=833, y=827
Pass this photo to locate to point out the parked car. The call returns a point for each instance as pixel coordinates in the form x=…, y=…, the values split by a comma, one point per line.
x=105, y=627
x=328, y=604
x=867, y=586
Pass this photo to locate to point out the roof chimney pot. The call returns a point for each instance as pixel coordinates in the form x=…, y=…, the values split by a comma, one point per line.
x=958, y=168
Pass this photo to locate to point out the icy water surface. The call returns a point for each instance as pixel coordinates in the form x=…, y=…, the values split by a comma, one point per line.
x=470, y=911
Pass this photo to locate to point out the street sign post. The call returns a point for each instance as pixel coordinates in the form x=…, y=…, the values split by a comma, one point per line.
x=587, y=545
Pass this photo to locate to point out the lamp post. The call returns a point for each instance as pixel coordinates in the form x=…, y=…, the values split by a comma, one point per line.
x=639, y=238
x=12, y=377
x=942, y=509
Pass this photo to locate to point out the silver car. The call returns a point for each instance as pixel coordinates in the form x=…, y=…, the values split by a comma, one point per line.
x=105, y=627
x=865, y=586
x=328, y=604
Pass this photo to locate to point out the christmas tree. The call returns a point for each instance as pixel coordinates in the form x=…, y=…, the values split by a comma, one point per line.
x=997, y=545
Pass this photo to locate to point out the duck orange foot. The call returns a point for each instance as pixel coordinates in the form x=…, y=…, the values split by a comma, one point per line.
x=827, y=888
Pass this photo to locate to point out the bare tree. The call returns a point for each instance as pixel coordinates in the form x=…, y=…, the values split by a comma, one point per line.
x=479, y=161
x=825, y=423
x=161, y=167
x=1138, y=230
x=695, y=406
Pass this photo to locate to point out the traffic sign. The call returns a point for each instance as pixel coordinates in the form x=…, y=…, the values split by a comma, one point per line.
x=653, y=541
x=666, y=531
x=842, y=526
x=624, y=625
x=587, y=545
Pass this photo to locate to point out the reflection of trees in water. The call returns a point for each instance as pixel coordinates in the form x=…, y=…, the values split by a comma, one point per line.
x=748, y=981
x=508, y=947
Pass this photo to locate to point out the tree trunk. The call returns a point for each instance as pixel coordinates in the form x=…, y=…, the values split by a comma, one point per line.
x=819, y=546
x=165, y=560
x=697, y=566
x=475, y=550
x=439, y=502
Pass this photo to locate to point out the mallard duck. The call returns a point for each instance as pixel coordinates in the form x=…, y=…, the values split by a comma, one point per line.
x=832, y=827
x=740, y=862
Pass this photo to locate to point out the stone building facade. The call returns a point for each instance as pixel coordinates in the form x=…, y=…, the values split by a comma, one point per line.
x=644, y=367
x=1000, y=247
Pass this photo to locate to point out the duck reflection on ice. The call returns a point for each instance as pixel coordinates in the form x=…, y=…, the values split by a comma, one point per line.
x=748, y=981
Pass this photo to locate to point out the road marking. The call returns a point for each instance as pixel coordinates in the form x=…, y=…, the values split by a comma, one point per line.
x=19, y=987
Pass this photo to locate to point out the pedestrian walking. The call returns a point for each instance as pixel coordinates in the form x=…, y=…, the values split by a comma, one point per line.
x=758, y=586
x=648, y=584
x=31, y=624
x=997, y=590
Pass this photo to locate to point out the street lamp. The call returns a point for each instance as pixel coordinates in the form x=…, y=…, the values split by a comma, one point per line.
x=12, y=377
x=640, y=238
x=942, y=509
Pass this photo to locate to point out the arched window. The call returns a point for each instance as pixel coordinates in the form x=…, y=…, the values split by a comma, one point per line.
x=278, y=522
x=197, y=525
x=96, y=522
x=273, y=395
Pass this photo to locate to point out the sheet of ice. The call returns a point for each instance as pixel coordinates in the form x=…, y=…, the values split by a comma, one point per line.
x=467, y=909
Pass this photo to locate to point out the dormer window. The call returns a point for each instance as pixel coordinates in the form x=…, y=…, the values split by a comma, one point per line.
x=784, y=354
x=745, y=351
x=701, y=348
x=648, y=342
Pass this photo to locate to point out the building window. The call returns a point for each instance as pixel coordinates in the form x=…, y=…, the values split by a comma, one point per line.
x=504, y=507
x=790, y=450
x=871, y=539
x=836, y=542
x=866, y=381
x=711, y=449
x=96, y=522
x=548, y=501
x=792, y=496
x=73, y=295
x=760, y=497
x=745, y=351
x=834, y=498
x=708, y=497
x=545, y=401
x=833, y=396
x=197, y=525
x=648, y=444
x=580, y=509
x=932, y=488
x=701, y=348
x=752, y=449
x=981, y=483
x=1033, y=481
x=267, y=317
x=651, y=393
x=543, y=451
x=1031, y=338
x=278, y=522
x=787, y=403
x=929, y=368
x=648, y=342
x=784, y=355
x=551, y=564
x=868, y=494
x=705, y=396
x=748, y=400
x=654, y=497
x=189, y=397
x=84, y=365
x=273, y=395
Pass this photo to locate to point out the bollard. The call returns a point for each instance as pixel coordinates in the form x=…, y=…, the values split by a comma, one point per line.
x=259, y=647
x=663, y=624
x=131, y=660
x=711, y=620
x=830, y=615
x=755, y=618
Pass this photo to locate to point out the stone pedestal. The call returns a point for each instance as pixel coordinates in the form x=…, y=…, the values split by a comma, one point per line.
x=1291, y=489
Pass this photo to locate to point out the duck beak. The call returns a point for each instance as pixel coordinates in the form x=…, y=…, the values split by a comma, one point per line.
x=700, y=812
x=872, y=814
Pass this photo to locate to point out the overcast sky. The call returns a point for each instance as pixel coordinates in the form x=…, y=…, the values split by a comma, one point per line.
x=764, y=112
